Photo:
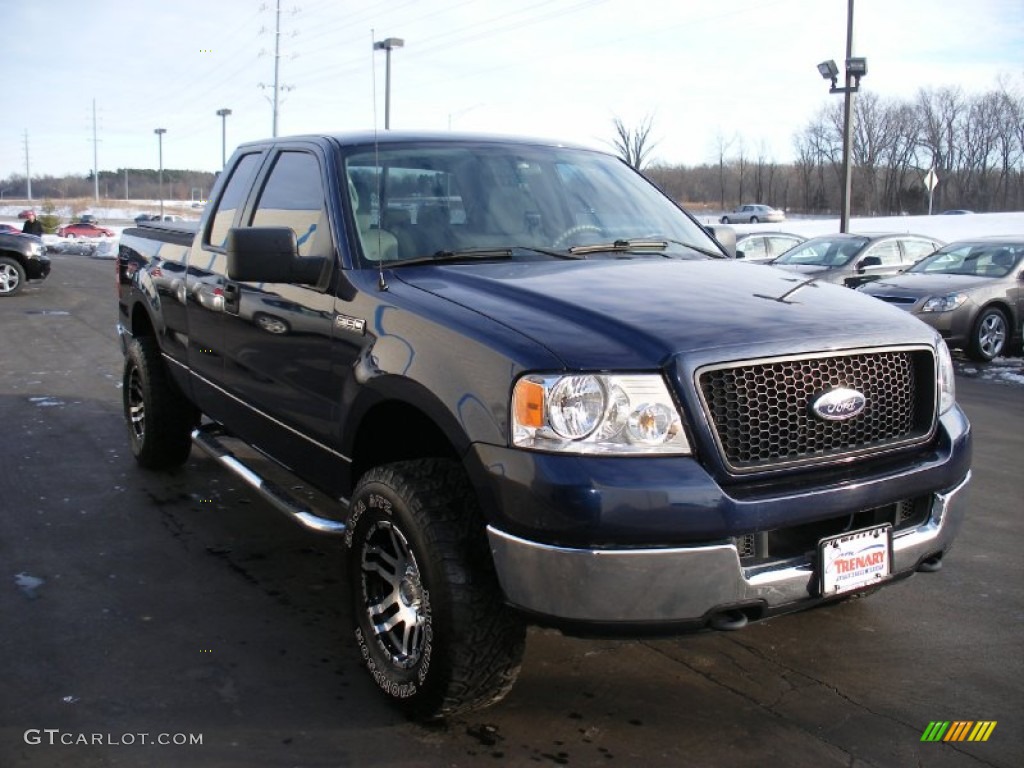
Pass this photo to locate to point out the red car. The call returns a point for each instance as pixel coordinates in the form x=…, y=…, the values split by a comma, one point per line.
x=84, y=230
x=8, y=229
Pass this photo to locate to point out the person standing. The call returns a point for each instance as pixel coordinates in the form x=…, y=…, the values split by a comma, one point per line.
x=32, y=226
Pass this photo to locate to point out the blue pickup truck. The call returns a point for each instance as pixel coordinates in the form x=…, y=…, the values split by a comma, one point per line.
x=537, y=391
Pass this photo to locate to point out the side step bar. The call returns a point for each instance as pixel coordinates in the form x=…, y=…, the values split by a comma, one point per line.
x=208, y=437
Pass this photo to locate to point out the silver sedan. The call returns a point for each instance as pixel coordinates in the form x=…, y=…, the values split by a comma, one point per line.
x=753, y=214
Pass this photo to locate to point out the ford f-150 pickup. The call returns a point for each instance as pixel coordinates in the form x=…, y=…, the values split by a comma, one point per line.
x=536, y=391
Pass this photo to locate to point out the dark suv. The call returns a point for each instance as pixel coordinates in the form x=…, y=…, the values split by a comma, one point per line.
x=22, y=257
x=855, y=259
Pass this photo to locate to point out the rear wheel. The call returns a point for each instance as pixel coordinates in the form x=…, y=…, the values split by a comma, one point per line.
x=430, y=619
x=160, y=421
x=754, y=220
x=12, y=276
x=988, y=340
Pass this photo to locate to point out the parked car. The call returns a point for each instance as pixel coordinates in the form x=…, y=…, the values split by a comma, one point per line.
x=10, y=229
x=22, y=258
x=88, y=218
x=971, y=292
x=853, y=259
x=84, y=230
x=144, y=217
x=752, y=214
x=765, y=246
x=957, y=212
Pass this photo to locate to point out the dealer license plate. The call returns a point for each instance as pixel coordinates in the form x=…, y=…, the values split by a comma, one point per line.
x=855, y=560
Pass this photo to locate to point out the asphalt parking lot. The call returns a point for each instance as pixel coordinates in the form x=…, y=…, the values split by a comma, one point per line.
x=140, y=608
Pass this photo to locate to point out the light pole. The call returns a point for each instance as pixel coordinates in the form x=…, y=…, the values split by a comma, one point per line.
x=856, y=68
x=160, y=138
x=387, y=45
x=223, y=114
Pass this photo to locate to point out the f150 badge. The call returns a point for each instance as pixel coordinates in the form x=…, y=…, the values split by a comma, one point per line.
x=839, y=404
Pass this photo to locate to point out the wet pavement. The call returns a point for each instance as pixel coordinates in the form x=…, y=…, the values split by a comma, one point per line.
x=138, y=608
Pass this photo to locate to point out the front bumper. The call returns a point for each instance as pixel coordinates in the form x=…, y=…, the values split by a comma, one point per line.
x=689, y=584
x=38, y=268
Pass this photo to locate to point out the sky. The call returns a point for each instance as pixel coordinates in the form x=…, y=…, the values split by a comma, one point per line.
x=705, y=72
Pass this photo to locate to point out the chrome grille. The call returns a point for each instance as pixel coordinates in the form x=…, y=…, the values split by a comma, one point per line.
x=761, y=411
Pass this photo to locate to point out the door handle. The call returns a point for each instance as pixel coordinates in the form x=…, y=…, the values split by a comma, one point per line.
x=232, y=295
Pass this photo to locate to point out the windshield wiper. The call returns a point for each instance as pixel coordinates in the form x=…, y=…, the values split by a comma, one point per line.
x=467, y=253
x=481, y=253
x=620, y=246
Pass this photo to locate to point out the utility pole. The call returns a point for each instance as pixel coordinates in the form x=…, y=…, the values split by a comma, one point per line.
x=95, y=160
x=277, y=62
x=276, y=100
x=160, y=138
x=28, y=172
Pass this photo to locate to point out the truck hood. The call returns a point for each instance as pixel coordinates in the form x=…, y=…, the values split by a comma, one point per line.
x=639, y=313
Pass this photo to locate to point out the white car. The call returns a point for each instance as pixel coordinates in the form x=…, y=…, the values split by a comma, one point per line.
x=753, y=214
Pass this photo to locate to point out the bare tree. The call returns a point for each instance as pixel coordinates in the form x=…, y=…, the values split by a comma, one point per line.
x=634, y=145
x=722, y=145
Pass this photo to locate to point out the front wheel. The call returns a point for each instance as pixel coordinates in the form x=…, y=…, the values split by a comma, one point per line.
x=754, y=220
x=12, y=276
x=160, y=421
x=988, y=339
x=429, y=617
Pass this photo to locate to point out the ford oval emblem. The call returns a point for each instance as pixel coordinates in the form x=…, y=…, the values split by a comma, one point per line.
x=839, y=404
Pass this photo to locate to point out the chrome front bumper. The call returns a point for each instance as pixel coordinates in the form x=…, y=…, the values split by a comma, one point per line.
x=683, y=584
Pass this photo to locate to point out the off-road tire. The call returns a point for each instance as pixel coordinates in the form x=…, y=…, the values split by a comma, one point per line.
x=159, y=419
x=990, y=335
x=421, y=573
x=12, y=276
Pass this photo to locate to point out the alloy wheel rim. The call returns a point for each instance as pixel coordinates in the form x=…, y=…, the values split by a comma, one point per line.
x=992, y=335
x=8, y=278
x=136, y=405
x=394, y=599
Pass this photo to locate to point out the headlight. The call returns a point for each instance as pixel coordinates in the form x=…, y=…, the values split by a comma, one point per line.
x=606, y=414
x=946, y=381
x=944, y=303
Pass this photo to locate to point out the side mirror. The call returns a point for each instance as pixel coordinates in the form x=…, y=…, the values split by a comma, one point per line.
x=725, y=236
x=868, y=261
x=269, y=255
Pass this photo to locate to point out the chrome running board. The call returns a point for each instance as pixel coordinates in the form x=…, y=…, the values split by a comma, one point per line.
x=208, y=437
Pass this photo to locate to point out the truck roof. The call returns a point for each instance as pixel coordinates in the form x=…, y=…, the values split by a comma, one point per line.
x=382, y=138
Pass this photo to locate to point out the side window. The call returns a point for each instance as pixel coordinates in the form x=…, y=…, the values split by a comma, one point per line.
x=915, y=250
x=782, y=244
x=888, y=252
x=753, y=248
x=233, y=197
x=294, y=197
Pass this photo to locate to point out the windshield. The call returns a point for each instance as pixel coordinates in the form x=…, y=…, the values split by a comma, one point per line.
x=824, y=252
x=978, y=259
x=417, y=200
